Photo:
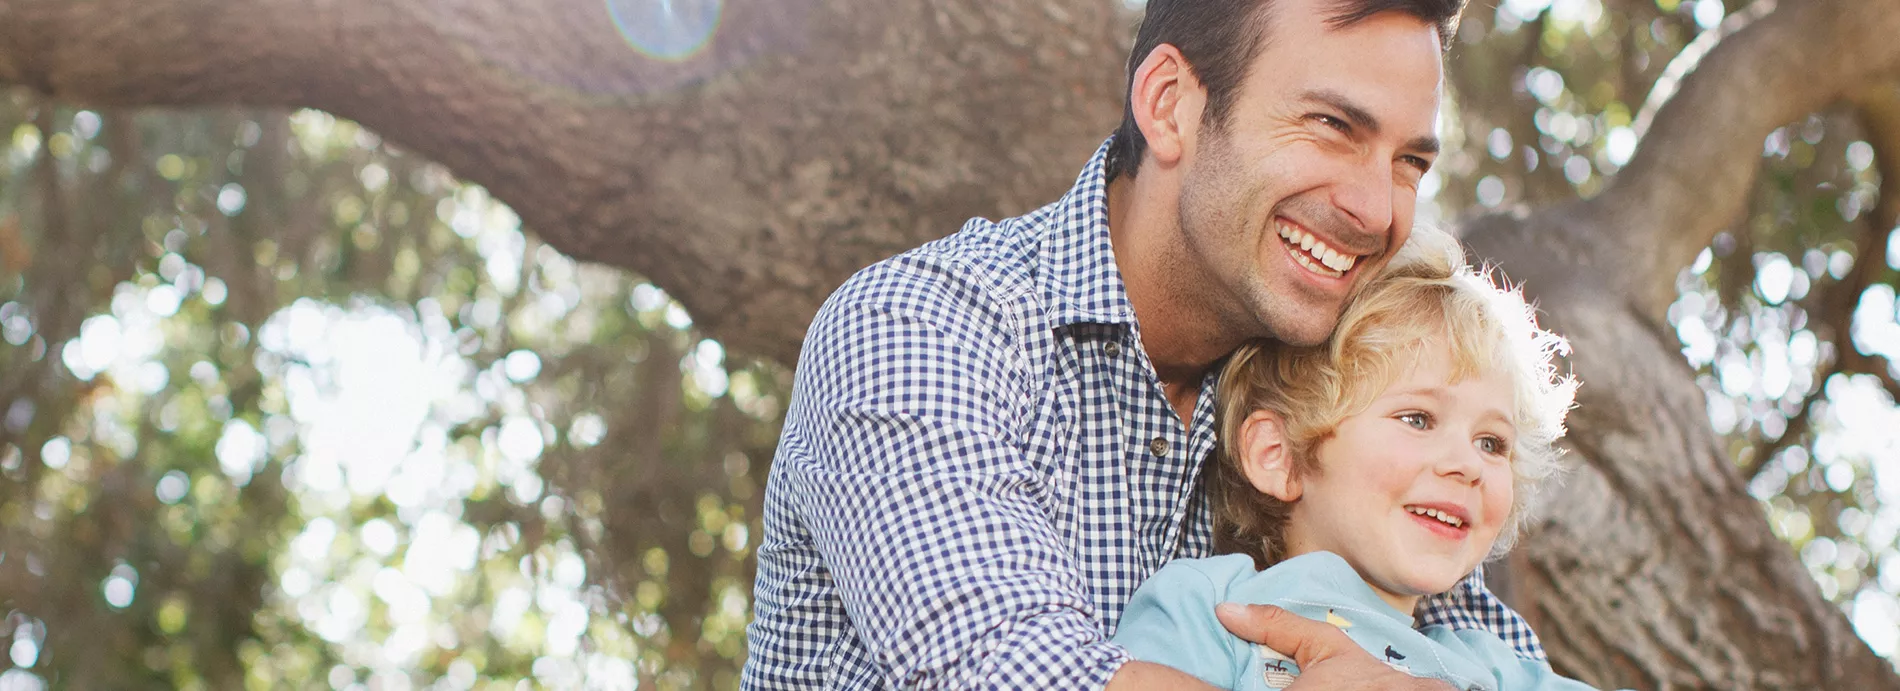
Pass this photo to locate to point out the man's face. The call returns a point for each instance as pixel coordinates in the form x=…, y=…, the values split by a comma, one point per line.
x=1309, y=185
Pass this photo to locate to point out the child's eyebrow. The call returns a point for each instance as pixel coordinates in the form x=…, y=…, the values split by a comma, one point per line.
x=1432, y=392
x=1501, y=417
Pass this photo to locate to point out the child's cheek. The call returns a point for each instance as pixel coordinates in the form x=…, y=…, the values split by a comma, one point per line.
x=1499, y=495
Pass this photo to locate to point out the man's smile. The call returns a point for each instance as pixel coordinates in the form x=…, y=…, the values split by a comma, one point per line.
x=1313, y=253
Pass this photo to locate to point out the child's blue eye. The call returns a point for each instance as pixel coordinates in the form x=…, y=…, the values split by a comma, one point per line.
x=1492, y=445
x=1416, y=420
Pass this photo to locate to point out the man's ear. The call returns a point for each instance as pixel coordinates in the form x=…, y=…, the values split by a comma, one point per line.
x=1266, y=460
x=1166, y=99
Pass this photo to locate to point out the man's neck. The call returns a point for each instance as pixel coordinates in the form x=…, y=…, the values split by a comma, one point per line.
x=1180, y=331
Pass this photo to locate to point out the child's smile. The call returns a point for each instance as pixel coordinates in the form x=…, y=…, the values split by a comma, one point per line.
x=1413, y=490
x=1445, y=519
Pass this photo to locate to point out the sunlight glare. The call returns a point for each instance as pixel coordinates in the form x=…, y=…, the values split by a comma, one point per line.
x=1876, y=617
x=671, y=30
x=1709, y=13
x=241, y=451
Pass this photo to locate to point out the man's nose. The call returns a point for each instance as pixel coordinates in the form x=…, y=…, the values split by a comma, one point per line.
x=1366, y=196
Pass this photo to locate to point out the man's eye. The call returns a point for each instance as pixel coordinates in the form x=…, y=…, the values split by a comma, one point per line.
x=1416, y=420
x=1332, y=122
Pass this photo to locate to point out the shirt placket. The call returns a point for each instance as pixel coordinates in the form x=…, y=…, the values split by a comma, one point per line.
x=1193, y=537
x=1159, y=452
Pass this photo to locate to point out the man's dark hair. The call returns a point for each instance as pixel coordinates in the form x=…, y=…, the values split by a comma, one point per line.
x=1221, y=38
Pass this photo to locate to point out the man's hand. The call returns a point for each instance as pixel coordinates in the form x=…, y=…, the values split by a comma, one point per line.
x=1329, y=660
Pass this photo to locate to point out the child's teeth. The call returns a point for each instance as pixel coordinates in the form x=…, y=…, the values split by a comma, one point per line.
x=1441, y=516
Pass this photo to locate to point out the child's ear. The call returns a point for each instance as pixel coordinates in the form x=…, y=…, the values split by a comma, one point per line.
x=1266, y=460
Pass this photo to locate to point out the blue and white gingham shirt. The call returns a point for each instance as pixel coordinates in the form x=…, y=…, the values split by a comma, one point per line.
x=978, y=467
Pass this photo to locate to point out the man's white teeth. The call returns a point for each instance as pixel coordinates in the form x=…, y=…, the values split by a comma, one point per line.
x=1442, y=517
x=1315, y=254
x=1314, y=267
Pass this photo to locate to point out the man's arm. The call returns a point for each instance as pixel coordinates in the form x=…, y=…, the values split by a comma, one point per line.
x=916, y=493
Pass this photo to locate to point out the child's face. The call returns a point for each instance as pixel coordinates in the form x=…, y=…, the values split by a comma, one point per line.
x=1424, y=445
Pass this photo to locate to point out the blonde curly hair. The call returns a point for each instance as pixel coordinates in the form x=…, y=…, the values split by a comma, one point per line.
x=1428, y=292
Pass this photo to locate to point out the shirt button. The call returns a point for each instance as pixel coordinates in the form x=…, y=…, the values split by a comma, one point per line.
x=1113, y=349
x=1159, y=447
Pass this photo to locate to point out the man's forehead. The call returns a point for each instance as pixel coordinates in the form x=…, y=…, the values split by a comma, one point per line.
x=1333, y=15
x=1380, y=67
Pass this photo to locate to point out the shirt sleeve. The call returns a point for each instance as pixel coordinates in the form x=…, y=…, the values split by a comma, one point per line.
x=1470, y=605
x=1170, y=620
x=913, y=484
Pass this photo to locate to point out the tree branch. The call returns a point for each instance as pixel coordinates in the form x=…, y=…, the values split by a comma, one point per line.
x=1878, y=109
x=803, y=141
x=1689, y=178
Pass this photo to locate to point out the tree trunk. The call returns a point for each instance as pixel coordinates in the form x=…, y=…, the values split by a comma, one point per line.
x=808, y=138
x=1652, y=566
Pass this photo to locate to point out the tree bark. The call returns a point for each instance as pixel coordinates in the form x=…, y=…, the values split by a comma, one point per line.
x=808, y=138
x=1654, y=568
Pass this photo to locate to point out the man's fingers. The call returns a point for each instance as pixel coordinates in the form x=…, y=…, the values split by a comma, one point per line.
x=1306, y=641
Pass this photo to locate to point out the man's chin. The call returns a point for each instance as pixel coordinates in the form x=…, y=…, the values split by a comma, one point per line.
x=1291, y=314
x=1302, y=334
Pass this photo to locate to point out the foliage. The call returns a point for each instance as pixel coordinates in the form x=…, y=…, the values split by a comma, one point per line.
x=329, y=416
x=1787, y=318
x=283, y=406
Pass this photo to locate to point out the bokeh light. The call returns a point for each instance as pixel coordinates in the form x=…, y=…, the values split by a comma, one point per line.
x=672, y=30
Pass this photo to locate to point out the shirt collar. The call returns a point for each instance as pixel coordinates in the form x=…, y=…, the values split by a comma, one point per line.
x=1079, y=276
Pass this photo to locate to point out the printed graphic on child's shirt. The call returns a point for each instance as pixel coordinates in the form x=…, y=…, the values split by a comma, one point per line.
x=1393, y=657
x=1280, y=670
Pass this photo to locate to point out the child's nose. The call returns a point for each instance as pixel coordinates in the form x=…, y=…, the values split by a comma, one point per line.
x=1462, y=461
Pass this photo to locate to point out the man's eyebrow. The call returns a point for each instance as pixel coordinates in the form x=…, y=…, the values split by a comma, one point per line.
x=1365, y=120
x=1359, y=117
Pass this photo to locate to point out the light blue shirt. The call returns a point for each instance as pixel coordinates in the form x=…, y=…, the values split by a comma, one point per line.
x=1171, y=621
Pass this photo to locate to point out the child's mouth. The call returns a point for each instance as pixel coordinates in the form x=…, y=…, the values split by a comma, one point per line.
x=1437, y=518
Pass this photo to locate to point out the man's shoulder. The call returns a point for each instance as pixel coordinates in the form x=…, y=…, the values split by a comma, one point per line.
x=983, y=278
x=985, y=260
